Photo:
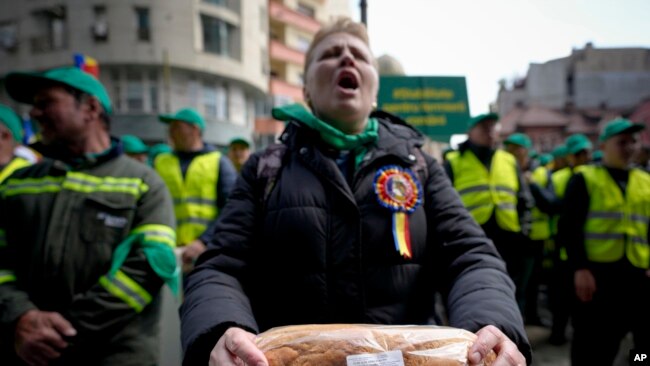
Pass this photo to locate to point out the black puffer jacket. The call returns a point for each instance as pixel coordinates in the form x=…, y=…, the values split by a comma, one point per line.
x=318, y=251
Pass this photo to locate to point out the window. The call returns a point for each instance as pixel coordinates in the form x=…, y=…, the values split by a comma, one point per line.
x=210, y=100
x=220, y=37
x=230, y=4
x=193, y=88
x=302, y=43
x=216, y=2
x=134, y=92
x=153, y=91
x=306, y=10
x=223, y=112
x=51, y=26
x=8, y=37
x=143, y=24
x=99, y=28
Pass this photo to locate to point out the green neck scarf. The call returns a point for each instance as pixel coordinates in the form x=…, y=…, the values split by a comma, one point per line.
x=357, y=144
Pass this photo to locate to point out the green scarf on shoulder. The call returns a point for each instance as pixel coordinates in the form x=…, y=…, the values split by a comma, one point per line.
x=357, y=144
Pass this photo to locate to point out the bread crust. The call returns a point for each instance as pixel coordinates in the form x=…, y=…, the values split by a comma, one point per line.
x=330, y=344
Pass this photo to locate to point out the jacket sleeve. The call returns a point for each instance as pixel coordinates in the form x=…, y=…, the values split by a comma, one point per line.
x=216, y=282
x=14, y=300
x=225, y=184
x=116, y=299
x=473, y=277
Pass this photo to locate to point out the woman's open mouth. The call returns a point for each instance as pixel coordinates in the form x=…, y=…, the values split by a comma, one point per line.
x=348, y=81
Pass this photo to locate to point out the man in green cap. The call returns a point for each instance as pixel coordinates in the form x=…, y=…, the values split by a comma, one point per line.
x=239, y=150
x=87, y=236
x=199, y=178
x=605, y=228
x=135, y=148
x=520, y=145
x=11, y=135
x=559, y=154
x=492, y=188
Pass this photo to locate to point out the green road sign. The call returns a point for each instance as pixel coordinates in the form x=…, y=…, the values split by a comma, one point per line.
x=437, y=106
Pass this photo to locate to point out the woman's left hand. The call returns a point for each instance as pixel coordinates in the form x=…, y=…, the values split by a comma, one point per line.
x=491, y=338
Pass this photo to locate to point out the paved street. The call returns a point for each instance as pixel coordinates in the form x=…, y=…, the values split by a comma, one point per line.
x=545, y=354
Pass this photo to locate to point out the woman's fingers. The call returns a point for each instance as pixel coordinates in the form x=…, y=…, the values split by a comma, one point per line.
x=235, y=348
x=490, y=338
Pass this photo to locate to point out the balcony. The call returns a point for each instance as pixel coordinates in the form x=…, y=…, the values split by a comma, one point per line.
x=281, y=52
x=283, y=14
x=280, y=87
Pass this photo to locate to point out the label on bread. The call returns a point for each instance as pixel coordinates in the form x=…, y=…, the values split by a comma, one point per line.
x=391, y=358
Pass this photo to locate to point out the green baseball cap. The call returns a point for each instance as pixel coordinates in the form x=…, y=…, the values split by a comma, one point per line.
x=22, y=86
x=597, y=155
x=11, y=120
x=619, y=126
x=559, y=152
x=187, y=115
x=576, y=143
x=480, y=118
x=239, y=140
x=545, y=159
x=133, y=145
x=519, y=139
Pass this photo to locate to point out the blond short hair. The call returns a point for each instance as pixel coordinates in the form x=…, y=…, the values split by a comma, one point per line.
x=340, y=25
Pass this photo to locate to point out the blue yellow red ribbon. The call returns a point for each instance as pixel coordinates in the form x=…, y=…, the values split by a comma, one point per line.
x=399, y=190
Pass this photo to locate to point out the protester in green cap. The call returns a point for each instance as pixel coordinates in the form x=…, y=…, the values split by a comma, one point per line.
x=605, y=229
x=597, y=156
x=559, y=154
x=519, y=145
x=156, y=150
x=11, y=135
x=135, y=148
x=87, y=236
x=577, y=149
x=545, y=160
x=492, y=187
x=239, y=150
x=199, y=179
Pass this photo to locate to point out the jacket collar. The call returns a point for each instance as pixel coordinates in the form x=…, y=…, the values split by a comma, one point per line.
x=85, y=161
x=396, y=137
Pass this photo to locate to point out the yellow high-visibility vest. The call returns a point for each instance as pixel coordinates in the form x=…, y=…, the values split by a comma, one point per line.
x=617, y=223
x=195, y=197
x=15, y=164
x=541, y=228
x=484, y=192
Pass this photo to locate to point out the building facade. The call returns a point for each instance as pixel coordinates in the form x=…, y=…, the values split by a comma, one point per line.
x=155, y=56
x=292, y=26
x=576, y=94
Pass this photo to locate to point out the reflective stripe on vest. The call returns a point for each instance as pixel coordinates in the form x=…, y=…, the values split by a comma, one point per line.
x=195, y=197
x=484, y=192
x=617, y=224
x=7, y=276
x=126, y=289
x=15, y=164
x=541, y=227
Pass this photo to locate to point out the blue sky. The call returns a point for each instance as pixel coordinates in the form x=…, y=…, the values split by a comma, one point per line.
x=490, y=40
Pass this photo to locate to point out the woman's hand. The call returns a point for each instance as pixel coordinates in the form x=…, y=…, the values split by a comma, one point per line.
x=236, y=347
x=585, y=285
x=490, y=338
